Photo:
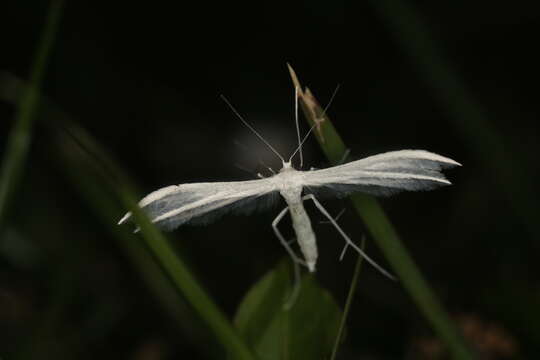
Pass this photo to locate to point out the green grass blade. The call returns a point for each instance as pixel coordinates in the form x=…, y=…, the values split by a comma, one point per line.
x=350, y=297
x=185, y=281
x=106, y=208
x=166, y=256
x=85, y=151
x=467, y=114
x=383, y=231
x=21, y=133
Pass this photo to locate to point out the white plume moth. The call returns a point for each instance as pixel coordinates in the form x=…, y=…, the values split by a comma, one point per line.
x=380, y=175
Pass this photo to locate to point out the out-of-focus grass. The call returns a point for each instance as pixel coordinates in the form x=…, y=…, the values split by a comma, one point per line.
x=185, y=281
x=383, y=231
x=82, y=153
x=106, y=208
x=168, y=260
x=467, y=114
x=350, y=297
x=21, y=134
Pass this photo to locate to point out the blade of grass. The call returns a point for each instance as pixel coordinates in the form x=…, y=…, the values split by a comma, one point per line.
x=171, y=262
x=185, y=281
x=110, y=176
x=467, y=114
x=106, y=208
x=306, y=331
x=383, y=231
x=350, y=296
x=21, y=133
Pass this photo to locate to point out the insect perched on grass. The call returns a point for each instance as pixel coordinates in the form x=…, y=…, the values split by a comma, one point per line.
x=380, y=175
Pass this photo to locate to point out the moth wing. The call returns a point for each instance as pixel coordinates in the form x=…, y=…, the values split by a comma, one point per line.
x=201, y=203
x=382, y=175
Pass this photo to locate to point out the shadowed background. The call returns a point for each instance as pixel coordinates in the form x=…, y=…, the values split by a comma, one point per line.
x=144, y=80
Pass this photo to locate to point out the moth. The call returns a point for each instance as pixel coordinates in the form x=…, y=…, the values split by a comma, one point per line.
x=379, y=175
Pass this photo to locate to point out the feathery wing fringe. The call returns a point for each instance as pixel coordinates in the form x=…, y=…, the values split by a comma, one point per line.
x=382, y=175
x=202, y=203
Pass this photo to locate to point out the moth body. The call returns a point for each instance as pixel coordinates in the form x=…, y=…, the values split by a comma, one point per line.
x=289, y=182
x=304, y=232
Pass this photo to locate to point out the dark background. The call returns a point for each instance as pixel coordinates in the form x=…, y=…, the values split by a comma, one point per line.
x=144, y=80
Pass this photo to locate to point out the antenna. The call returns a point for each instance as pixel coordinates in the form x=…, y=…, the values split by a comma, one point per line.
x=299, y=148
x=251, y=128
x=331, y=99
x=297, y=124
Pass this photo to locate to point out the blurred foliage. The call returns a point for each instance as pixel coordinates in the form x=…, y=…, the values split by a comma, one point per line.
x=18, y=141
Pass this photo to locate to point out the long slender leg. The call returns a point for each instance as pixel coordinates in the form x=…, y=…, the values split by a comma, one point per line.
x=347, y=239
x=291, y=299
x=344, y=157
x=342, y=255
x=336, y=218
x=341, y=212
x=296, y=260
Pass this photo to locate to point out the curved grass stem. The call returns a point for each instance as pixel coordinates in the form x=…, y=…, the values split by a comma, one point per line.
x=383, y=232
x=348, y=302
x=20, y=135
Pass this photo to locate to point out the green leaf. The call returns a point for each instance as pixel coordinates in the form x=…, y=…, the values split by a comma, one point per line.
x=306, y=331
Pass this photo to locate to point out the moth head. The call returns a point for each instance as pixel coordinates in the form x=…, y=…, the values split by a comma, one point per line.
x=287, y=165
